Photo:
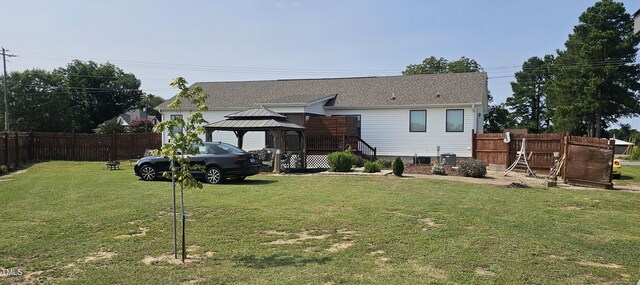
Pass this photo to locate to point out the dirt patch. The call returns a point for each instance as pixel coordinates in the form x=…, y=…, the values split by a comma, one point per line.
x=429, y=222
x=572, y=208
x=428, y=269
x=484, y=271
x=302, y=236
x=100, y=255
x=5, y=180
x=557, y=257
x=142, y=232
x=340, y=246
x=596, y=264
x=377, y=252
x=194, y=281
x=275, y=232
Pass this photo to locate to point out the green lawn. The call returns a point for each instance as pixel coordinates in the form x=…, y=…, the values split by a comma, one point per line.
x=630, y=176
x=76, y=223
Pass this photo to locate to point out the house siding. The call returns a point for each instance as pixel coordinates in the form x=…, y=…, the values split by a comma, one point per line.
x=388, y=131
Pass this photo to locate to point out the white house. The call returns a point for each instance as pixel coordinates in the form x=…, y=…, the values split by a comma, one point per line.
x=407, y=115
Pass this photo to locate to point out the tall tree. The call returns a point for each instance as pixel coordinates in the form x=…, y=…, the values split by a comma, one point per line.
x=597, y=79
x=150, y=102
x=36, y=101
x=433, y=65
x=530, y=93
x=497, y=119
x=98, y=92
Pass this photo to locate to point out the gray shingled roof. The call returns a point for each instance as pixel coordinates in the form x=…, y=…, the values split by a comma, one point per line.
x=423, y=89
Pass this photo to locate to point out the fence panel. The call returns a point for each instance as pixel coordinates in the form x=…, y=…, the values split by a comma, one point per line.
x=588, y=162
x=22, y=146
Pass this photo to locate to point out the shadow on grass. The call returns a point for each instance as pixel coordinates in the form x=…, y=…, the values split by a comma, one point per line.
x=277, y=260
x=624, y=177
x=230, y=182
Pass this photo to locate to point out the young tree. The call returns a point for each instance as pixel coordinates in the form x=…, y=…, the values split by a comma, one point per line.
x=182, y=143
x=530, y=93
x=597, y=79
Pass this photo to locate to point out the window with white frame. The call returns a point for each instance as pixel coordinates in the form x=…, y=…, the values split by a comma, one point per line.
x=455, y=120
x=418, y=121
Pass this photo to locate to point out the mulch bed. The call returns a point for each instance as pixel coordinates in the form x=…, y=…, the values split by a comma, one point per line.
x=426, y=169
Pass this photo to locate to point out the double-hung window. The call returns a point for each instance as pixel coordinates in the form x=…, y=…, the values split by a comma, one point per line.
x=418, y=121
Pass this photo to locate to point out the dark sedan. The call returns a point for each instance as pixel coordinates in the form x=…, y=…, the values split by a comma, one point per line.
x=220, y=160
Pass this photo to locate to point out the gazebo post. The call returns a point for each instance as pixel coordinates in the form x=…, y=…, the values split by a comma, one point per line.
x=303, y=147
x=240, y=136
x=278, y=143
x=208, y=135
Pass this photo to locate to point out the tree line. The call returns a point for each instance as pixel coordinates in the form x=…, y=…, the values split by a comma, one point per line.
x=583, y=89
x=78, y=97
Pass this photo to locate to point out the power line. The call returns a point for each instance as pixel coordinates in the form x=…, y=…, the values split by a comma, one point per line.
x=4, y=84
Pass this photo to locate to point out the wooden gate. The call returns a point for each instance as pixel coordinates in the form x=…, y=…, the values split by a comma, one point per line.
x=588, y=162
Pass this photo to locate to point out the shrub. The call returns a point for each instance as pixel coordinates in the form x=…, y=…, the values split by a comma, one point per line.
x=3, y=169
x=398, y=167
x=473, y=168
x=341, y=161
x=438, y=170
x=110, y=126
x=141, y=125
x=371, y=167
x=383, y=163
x=359, y=162
x=635, y=154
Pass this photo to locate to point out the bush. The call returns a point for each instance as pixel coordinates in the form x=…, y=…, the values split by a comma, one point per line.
x=341, y=161
x=438, y=170
x=3, y=169
x=383, y=163
x=473, y=168
x=110, y=126
x=371, y=167
x=359, y=162
x=398, y=167
x=635, y=154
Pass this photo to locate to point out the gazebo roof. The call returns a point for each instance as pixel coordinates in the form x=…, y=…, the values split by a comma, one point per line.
x=259, y=119
x=257, y=113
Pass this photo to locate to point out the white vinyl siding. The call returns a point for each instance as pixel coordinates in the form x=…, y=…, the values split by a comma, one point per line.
x=386, y=129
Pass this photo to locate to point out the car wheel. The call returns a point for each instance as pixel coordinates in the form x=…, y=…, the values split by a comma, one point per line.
x=148, y=173
x=214, y=175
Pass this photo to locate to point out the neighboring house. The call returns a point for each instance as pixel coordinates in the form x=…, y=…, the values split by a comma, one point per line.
x=126, y=118
x=621, y=146
x=424, y=115
x=636, y=22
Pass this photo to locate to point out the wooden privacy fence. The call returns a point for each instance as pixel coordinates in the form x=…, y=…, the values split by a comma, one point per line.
x=22, y=146
x=587, y=160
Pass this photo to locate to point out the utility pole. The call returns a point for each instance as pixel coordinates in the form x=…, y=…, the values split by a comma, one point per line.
x=4, y=85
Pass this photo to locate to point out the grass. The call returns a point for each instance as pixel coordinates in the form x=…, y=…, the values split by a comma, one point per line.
x=66, y=223
x=630, y=176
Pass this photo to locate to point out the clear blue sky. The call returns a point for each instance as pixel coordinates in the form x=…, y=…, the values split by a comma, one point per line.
x=255, y=40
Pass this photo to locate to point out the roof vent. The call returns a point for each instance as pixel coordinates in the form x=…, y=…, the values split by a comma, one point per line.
x=438, y=95
x=393, y=96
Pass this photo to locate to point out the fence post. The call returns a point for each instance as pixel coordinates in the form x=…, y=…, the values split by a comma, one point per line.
x=74, y=146
x=473, y=144
x=114, y=145
x=6, y=148
x=566, y=157
x=29, y=146
x=17, y=149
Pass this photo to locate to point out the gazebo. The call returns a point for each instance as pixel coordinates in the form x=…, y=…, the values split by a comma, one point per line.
x=259, y=120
